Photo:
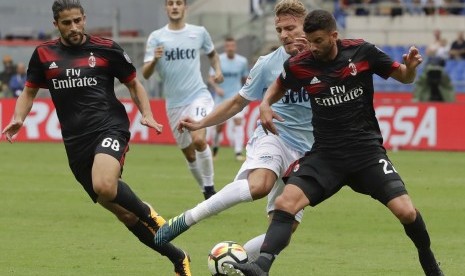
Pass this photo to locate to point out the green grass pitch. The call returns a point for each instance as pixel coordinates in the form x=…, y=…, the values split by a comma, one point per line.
x=48, y=225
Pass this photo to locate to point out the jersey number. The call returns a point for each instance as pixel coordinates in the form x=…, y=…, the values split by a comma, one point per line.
x=110, y=143
x=385, y=166
x=201, y=111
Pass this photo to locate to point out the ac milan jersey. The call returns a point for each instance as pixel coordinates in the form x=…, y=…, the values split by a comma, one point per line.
x=81, y=83
x=341, y=92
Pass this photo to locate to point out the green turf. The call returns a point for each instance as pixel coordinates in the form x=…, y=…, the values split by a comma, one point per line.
x=48, y=225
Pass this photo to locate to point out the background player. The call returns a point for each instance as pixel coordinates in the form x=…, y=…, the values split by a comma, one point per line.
x=268, y=156
x=79, y=70
x=174, y=51
x=348, y=148
x=235, y=69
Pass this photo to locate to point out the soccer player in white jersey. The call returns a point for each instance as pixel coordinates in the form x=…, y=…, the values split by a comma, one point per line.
x=235, y=69
x=174, y=52
x=268, y=156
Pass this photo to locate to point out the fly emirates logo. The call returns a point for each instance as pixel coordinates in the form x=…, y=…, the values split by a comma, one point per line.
x=73, y=80
x=339, y=95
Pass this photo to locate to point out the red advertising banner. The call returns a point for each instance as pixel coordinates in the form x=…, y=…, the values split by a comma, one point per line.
x=425, y=126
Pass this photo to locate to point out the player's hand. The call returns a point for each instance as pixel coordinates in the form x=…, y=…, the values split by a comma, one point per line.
x=152, y=123
x=10, y=130
x=218, y=78
x=188, y=124
x=266, y=117
x=219, y=91
x=413, y=58
x=301, y=44
x=159, y=50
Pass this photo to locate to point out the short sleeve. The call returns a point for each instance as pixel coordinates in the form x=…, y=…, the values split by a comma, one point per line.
x=207, y=45
x=255, y=85
x=35, y=72
x=121, y=65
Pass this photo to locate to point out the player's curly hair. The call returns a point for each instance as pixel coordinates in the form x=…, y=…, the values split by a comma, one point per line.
x=319, y=20
x=61, y=5
x=291, y=7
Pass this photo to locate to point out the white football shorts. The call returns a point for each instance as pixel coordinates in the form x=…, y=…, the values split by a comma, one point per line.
x=269, y=152
x=197, y=110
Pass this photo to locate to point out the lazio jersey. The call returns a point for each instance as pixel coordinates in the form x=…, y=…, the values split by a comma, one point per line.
x=234, y=70
x=179, y=68
x=296, y=130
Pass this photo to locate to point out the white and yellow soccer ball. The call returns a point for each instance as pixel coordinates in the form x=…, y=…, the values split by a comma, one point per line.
x=222, y=252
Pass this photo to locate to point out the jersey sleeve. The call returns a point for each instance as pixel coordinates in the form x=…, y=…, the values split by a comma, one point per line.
x=121, y=65
x=207, y=45
x=150, y=46
x=35, y=73
x=287, y=78
x=255, y=85
x=382, y=64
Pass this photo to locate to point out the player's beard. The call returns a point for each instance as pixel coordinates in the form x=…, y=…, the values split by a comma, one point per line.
x=74, y=38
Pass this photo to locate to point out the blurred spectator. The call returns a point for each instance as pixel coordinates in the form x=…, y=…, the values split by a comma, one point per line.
x=256, y=8
x=433, y=47
x=397, y=8
x=18, y=80
x=457, y=48
x=362, y=7
x=5, y=75
x=431, y=7
x=414, y=7
x=434, y=84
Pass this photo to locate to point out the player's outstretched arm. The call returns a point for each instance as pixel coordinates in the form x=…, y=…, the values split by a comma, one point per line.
x=149, y=67
x=273, y=94
x=406, y=72
x=140, y=98
x=221, y=113
x=22, y=108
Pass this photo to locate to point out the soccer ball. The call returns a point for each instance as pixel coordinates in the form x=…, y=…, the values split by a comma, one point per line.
x=225, y=251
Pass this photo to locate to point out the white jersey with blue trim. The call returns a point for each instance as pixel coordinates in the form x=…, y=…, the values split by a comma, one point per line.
x=234, y=70
x=294, y=107
x=179, y=68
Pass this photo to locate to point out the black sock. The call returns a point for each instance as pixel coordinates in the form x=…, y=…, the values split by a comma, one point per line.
x=276, y=239
x=129, y=200
x=417, y=232
x=146, y=237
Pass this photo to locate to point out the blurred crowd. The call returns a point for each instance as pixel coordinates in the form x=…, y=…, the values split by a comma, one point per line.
x=401, y=7
x=12, y=78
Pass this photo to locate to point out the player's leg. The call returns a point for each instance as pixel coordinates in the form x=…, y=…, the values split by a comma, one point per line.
x=204, y=158
x=415, y=228
x=145, y=234
x=238, y=136
x=216, y=138
x=390, y=190
x=254, y=180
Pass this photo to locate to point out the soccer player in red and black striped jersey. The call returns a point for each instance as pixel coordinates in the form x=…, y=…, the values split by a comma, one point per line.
x=79, y=71
x=348, y=148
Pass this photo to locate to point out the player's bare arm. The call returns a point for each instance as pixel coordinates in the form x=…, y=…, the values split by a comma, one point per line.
x=406, y=72
x=22, y=108
x=149, y=67
x=215, y=64
x=220, y=114
x=273, y=94
x=216, y=88
x=140, y=98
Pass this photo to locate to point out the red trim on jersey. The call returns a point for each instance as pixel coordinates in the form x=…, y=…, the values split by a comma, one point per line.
x=129, y=78
x=361, y=66
x=35, y=85
x=351, y=42
x=394, y=66
x=84, y=62
x=101, y=41
x=46, y=54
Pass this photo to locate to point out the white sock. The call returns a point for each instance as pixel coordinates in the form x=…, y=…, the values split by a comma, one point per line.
x=194, y=168
x=231, y=194
x=252, y=247
x=238, y=138
x=205, y=164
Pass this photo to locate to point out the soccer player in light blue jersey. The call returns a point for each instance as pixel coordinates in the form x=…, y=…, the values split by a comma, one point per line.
x=235, y=69
x=174, y=52
x=268, y=156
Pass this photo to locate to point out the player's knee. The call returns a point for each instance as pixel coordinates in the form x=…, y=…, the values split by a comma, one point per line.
x=259, y=189
x=283, y=203
x=199, y=143
x=407, y=215
x=105, y=187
